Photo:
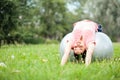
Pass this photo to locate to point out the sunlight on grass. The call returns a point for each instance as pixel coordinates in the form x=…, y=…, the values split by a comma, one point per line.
x=42, y=62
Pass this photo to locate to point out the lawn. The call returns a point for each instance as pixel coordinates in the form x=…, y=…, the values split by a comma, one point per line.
x=42, y=62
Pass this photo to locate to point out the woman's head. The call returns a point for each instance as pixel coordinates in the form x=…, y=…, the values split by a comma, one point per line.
x=79, y=46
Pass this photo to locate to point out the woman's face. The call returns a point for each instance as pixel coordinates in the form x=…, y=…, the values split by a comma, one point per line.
x=79, y=47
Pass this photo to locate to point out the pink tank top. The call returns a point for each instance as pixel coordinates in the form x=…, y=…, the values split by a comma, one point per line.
x=86, y=29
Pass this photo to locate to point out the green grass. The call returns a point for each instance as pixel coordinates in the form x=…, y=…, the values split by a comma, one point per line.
x=42, y=62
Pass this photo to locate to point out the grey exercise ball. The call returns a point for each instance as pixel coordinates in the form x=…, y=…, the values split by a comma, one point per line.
x=63, y=45
x=103, y=48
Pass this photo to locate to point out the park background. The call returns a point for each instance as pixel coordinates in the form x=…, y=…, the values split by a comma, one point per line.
x=48, y=21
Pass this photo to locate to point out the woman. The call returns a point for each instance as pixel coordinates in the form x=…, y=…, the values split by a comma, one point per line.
x=81, y=41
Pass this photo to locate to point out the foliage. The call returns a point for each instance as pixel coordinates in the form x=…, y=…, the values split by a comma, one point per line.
x=105, y=12
x=52, y=17
x=37, y=21
x=8, y=19
x=42, y=62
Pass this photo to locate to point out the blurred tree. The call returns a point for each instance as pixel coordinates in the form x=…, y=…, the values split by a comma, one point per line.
x=107, y=13
x=8, y=19
x=52, y=18
x=41, y=19
x=45, y=19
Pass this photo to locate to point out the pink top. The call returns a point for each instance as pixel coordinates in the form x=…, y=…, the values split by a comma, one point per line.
x=86, y=29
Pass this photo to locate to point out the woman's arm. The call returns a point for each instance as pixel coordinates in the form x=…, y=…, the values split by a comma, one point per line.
x=89, y=53
x=66, y=53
